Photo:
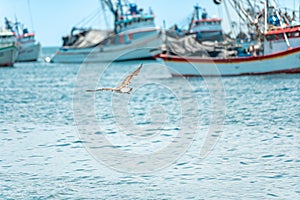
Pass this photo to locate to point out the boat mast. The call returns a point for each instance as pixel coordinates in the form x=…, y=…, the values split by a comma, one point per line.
x=121, y=7
x=279, y=18
x=192, y=20
x=266, y=16
x=197, y=8
x=30, y=14
x=114, y=11
x=104, y=12
x=281, y=25
x=244, y=12
x=252, y=7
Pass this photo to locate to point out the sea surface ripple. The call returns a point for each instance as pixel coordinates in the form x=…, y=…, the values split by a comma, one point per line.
x=44, y=157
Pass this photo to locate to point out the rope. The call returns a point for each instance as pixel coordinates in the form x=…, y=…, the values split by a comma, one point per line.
x=89, y=18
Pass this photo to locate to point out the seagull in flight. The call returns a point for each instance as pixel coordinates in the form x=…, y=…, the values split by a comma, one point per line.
x=122, y=88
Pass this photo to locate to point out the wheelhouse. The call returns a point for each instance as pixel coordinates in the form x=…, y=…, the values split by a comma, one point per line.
x=278, y=34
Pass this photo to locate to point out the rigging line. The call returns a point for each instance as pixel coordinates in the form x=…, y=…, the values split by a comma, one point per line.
x=220, y=11
x=183, y=23
x=30, y=15
x=294, y=4
x=92, y=19
x=96, y=21
x=88, y=18
x=229, y=18
x=104, y=14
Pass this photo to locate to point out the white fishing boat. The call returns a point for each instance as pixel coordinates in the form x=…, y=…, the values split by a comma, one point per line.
x=203, y=26
x=8, y=48
x=28, y=48
x=279, y=52
x=135, y=36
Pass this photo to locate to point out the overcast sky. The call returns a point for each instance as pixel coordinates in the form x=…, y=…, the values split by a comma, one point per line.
x=52, y=19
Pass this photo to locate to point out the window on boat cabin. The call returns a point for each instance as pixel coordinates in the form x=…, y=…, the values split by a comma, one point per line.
x=117, y=39
x=110, y=40
x=270, y=37
x=149, y=19
x=7, y=38
x=296, y=34
x=139, y=35
x=279, y=36
x=275, y=37
x=28, y=38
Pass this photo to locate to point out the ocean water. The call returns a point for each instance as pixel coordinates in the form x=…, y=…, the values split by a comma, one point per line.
x=171, y=138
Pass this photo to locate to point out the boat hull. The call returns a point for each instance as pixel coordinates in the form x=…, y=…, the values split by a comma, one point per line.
x=136, y=49
x=8, y=55
x=28, y=53
x=281, y=62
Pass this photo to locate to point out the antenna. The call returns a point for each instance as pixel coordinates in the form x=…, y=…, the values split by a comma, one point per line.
x=31, y=20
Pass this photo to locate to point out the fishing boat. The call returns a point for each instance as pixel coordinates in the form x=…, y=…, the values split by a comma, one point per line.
x=8, y=48
x=134, y=36
x=28, y=48
x=275, y=50
x=205, y=28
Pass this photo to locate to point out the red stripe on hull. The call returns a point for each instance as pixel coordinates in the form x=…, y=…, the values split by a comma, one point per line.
x=209, y=20
x=283, y=30
x=206, y=31
x=227, y=60
x=287, y=71
x=6, y=64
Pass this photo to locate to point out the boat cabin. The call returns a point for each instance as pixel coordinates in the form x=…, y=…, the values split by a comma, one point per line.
x=208, y=22
x=7, y=38
x=278, y=34
x=27, y=37
x=275, y=40
x=208, y=29
x=133, y=24
x=131, y=17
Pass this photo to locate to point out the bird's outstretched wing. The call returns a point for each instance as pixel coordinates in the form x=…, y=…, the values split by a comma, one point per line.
x=101, y=89
x=130, y=77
